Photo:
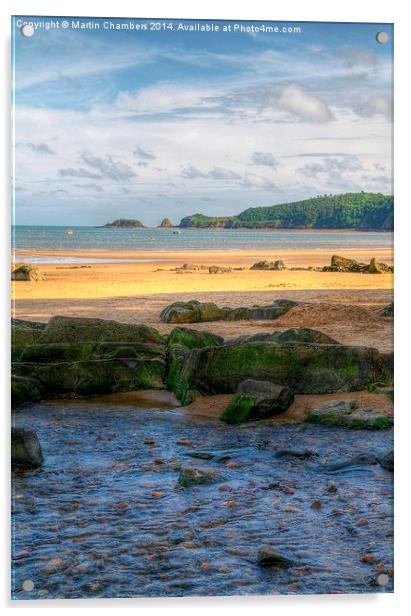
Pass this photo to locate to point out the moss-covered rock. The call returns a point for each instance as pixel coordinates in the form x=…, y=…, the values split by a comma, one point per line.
x=21, y=337
x=24, y=389
x=269, y=265
x=301, y=334
x=25, y=449
x=387, y=460
x=345, y=413
x=95, y=376
x=193, y=339
x=257, y=400
x=342, y=264
x=304, y=368
x=72, y=329
x=198, y=312
x=376, y=267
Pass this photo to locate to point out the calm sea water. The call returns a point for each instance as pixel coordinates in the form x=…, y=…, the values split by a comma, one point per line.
x=91, y=238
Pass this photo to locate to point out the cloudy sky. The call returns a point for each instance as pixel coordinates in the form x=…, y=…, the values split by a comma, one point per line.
x=150, y=124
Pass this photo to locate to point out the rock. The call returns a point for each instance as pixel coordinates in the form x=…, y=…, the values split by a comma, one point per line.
x=301, y=454
x=218, y=269
x=25, y=271
x=342, y=264
x=345, y=413
x=21, y=336
x=194, y=476
x=257, y=400
x=300, y=334
x=192, y=312
x=166, y=222
x=386, y=391
x=24, y=389
x=193, y=339
x=95, y=376
x=387, y=311
x=268, y=557
x=386, y=460
x=25, y=449
x=269, y=265
x=304, y=368
x=362, y=459
x=198, y=312
x=30, y=324
x=379, y=268
x=79, y=329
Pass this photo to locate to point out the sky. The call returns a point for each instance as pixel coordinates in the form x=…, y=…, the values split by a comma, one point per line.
x=147, y=124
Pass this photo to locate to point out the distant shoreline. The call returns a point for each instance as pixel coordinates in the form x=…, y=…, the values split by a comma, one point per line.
x=216, y=229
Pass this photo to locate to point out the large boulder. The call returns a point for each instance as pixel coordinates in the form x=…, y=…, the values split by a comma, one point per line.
x=269, y=265
x=25, y=449
x=25, y=271
x=81, y=329
x=342, y=264
x=301, y=334
x=24, y=389
x=257, y=400
x=345, y=413
x=304, y=368
x=387, y=460
x=179, y=343
x=197, y=312
x=376, y=267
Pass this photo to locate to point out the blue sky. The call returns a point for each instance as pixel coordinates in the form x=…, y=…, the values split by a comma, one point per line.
x=147, y=124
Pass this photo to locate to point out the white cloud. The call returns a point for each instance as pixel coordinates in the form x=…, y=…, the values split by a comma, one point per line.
x=295, y=100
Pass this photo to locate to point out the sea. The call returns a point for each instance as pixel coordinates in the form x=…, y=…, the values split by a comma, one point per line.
x=84, y=239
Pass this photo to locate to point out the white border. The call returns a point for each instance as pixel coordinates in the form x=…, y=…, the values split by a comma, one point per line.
x=297, y=10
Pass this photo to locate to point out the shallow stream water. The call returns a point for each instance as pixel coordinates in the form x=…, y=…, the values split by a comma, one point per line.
x=105, y=517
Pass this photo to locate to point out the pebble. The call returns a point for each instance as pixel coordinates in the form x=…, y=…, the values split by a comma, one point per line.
x=368, y=558
x=362, y=522
x=316, y=505
x=121, y=506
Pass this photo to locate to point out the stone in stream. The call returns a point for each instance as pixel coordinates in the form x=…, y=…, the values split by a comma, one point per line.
x=257, y=400
x=269, y=557
x=25, y=449
x=345, y=413
x=362, y=459
x=194, y=476
x=301, y=454
x=386, y=460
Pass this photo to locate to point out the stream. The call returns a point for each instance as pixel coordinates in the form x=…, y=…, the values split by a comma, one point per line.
x=105, y=517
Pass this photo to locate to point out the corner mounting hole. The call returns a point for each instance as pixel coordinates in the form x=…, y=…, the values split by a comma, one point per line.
x=27, y=30
x=382, y=38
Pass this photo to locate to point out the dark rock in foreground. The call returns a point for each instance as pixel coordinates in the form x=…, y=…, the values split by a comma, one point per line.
x=24, y=389
x=198, y=312
x=345, y=413
x=257, y=400
x=269, y=557
x=25, y=449
x=72, y=329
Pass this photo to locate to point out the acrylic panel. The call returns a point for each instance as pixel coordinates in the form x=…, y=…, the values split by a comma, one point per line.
x=202, y=331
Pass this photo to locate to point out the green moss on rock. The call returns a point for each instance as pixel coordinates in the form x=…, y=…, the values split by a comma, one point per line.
x=238, y=409
x=24, y=389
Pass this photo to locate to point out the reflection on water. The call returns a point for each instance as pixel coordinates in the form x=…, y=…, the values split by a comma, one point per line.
x=104, y=517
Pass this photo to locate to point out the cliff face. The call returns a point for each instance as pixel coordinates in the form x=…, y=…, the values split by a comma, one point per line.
x=368, y=211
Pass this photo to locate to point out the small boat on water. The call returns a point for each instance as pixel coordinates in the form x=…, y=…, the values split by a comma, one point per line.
x=69, y=232
x=176, y=232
